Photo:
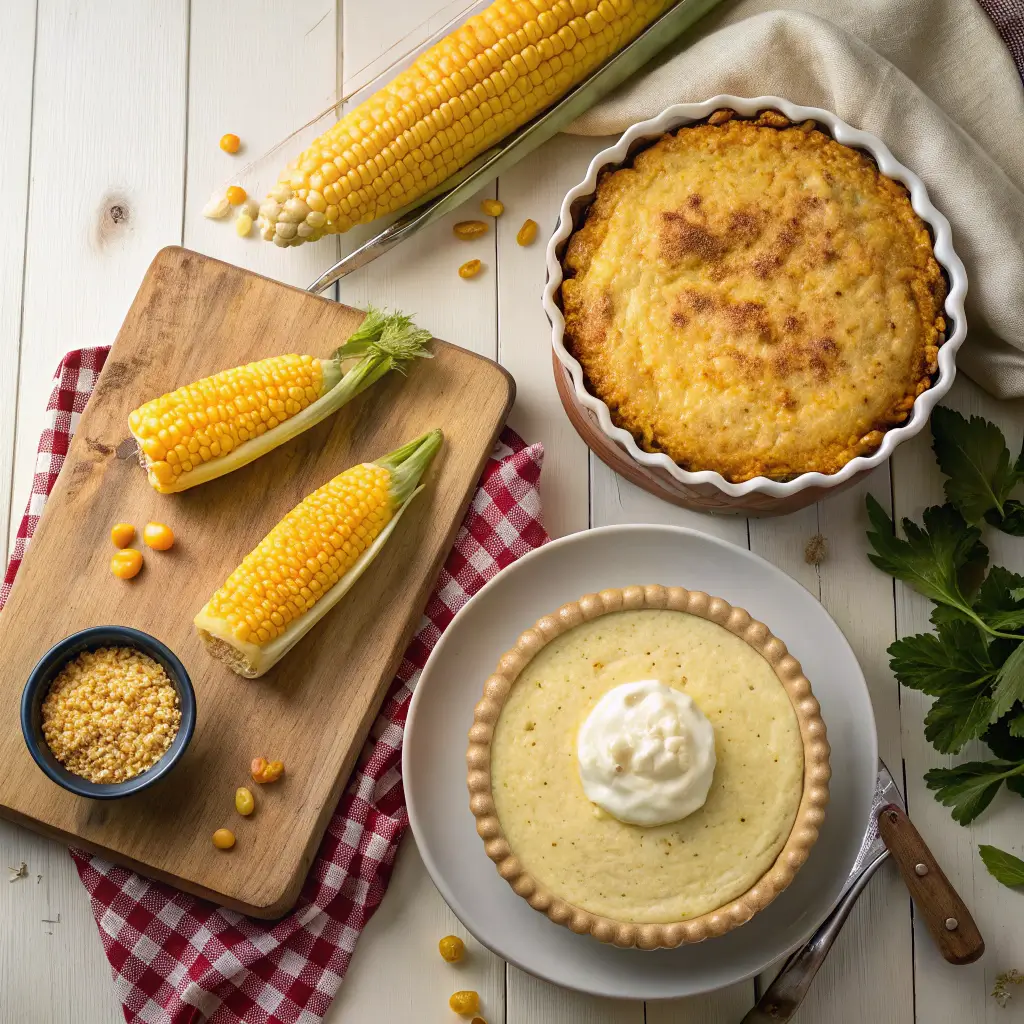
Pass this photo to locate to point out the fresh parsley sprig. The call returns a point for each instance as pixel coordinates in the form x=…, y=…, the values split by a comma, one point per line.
x=979, y=475
x=973, y=664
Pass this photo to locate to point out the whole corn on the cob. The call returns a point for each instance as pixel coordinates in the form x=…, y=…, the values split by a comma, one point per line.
x=218, y=424
x=308, y=562
x=459, y=98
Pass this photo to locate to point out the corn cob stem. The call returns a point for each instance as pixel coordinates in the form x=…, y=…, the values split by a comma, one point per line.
x=311, y=559
x=214, y=426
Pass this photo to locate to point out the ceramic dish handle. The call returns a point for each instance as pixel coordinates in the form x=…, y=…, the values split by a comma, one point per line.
x=784, y=995
x=946, y=915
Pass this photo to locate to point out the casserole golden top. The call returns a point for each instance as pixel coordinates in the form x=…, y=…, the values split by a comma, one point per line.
x=754, y=298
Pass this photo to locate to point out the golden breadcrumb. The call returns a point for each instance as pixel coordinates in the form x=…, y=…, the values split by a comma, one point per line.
x=754, y=298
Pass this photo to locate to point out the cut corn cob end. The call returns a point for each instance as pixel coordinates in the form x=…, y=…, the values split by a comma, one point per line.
x=311, y=559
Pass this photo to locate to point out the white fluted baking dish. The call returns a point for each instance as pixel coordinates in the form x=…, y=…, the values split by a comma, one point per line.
x=708, y=489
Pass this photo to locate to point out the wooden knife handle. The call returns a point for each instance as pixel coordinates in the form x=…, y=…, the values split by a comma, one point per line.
x=946, y=915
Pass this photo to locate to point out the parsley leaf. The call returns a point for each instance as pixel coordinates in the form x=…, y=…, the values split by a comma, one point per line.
x=1000, y=599
x=1012, y=519
x=969, y=788
x=955, y=666
x=974, y=457
x=1002, y=866
x=929, y=560
x=1016, y=726
x=1009, y=684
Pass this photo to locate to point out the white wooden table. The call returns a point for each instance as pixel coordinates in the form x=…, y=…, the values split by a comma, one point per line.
x=111, y=113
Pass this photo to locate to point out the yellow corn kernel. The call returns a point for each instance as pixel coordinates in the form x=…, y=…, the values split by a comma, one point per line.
x=223, y=839
x=469, y=229
x=314, y=527
x=122, y=534
x=125, y=565
x=244, y=802
x=236, y=195
x=230, y=143
x=158, y=536
x=465, y=1002
x=451, y=948
x=457, y=99
x=492, y=207
x=218, y=413
x=264, y=771
x=470, y=268
x=527, y=233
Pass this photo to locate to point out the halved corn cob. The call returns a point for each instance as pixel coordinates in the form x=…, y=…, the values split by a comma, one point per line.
x=218, y=424
x=460, y=97
x=308, y=562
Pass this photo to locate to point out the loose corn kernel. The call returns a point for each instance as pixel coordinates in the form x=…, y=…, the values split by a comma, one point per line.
x=465, y=1002
x=451, y=948
x=236, y=195
x=158, y=536
x=223, y=839
x=264, y=771
x=492, y=207
x=122, y=534
x=230, y=143
x=217, y=206
x=468, y=229
x=470, y=268
x=244, y=802
x=527, y=233
x=110, y=714
x=126, y=563
x=243, y=225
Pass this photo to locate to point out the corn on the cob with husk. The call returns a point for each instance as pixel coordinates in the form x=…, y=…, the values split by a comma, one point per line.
x=459, y=98
x=310, y=560
x=218, y=424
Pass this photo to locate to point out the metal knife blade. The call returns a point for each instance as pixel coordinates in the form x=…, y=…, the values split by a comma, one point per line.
x=784, y=995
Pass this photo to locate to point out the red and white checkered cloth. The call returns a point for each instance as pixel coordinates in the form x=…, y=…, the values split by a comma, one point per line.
x=177, y=959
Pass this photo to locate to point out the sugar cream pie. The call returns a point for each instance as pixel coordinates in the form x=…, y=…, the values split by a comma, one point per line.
x=648, y=765
x=754, y=298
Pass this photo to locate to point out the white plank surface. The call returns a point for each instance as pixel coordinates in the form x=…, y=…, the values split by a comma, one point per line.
x=120, y=105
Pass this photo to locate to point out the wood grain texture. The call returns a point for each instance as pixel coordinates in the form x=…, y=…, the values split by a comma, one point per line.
x=944, y=913
x=194, y=315
x=945, y=994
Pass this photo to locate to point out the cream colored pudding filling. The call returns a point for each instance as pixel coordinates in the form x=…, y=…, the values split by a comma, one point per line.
x=647, y=873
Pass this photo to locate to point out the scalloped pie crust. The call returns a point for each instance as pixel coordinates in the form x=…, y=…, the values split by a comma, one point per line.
x=636, y=885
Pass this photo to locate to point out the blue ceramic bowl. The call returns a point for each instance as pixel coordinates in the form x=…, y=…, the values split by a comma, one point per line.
x=50, y=665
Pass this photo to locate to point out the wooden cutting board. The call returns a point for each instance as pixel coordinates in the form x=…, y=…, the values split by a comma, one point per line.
x=193, y=316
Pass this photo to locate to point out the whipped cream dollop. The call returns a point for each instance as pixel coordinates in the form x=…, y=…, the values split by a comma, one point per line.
x=646, y=754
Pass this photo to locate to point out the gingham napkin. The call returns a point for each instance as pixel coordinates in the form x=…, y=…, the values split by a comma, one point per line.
x=177, y=959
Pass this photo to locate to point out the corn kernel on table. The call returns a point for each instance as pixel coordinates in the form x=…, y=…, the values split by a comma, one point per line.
x=113, y=111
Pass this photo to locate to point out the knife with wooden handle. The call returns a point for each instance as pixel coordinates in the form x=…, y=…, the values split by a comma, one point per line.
x=889, y=832
x=945, y=914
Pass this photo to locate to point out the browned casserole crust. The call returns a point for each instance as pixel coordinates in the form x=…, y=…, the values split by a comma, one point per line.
x=755, y=298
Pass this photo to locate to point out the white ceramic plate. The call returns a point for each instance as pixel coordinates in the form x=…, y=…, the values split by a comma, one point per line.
x=441, y=712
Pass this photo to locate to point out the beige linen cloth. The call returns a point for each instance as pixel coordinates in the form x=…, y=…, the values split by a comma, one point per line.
x=931, y=78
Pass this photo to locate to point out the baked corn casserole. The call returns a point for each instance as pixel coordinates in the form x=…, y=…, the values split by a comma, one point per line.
x=754, y=298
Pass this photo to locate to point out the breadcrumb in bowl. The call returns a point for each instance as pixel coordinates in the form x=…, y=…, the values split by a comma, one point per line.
x=108, y=711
